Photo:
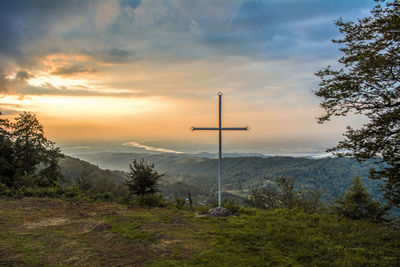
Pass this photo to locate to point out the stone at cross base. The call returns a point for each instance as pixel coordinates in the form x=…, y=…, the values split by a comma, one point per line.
x=219, y=212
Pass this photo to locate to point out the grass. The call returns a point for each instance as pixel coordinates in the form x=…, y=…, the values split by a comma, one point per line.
x=37, y=232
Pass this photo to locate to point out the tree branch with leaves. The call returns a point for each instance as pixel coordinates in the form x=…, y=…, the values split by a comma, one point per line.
x=369, y=83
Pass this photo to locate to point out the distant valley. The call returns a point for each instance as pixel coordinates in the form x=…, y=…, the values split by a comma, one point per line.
x=240, y=174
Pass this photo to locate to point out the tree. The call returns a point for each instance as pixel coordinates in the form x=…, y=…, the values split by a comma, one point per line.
x=266, y=197
x=369, y=84
x=310, y=200
x=30, y=153
x=142, y=179
x=357, y=204
x=288, y=194
x=7, y=170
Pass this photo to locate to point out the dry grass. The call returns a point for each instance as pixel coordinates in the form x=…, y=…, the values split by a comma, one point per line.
x=49, y=232
x=38, y=232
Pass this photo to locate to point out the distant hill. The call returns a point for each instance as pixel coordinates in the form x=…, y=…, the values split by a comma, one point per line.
x=73, y=169
x=240, y=174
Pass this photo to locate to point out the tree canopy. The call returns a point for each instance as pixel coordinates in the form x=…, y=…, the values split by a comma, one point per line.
x=142, y=179
x=27, y=154
x=357, y=204
x=369, y=83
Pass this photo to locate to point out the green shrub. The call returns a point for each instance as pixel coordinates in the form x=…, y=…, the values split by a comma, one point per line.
x=202, y=209
x=142, y=179
x=6, y=191
x=36, y=191
x=106, y=196
x=267, y=197
x=231, y=205
x=150, y=200
x=357, y=204
x=72, y=192
x=179, y=202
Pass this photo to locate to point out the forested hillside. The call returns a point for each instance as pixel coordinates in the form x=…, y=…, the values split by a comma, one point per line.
x=91, y=178
x=73, y=169
x=333, y=175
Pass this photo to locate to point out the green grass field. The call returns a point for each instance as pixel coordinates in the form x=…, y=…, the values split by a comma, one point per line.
x=49, y=232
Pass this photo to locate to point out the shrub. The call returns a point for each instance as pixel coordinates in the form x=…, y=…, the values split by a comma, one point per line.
x=6, y=191
x=266, y=197
x=142, y=179
x=150, y=200
x=231, y=205
x=288, y=194
x=310, y=201
x=179, y=202
x=357, y=204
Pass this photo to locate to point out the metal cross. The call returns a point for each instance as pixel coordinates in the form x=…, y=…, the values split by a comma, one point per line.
x=220, y=129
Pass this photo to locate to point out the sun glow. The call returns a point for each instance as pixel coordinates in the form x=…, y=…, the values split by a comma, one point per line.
x=84, y=107
x=58, y=82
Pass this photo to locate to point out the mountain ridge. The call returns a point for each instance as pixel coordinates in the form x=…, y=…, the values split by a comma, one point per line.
x=332, y=175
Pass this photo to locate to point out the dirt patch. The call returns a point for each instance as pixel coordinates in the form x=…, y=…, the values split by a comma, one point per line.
x=46, y=222
x=87, y=226
x=168, y=243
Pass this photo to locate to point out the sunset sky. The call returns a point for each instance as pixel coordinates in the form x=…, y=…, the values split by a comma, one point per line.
x=137, y=73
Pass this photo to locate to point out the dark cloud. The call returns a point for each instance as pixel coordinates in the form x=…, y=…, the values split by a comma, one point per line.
x=49, y=89
x=23, y=75
x=11, y=84
x=279, y=29
x=3, y=82
x=131, y=3
x=72, y=70
x=24, y=21
x=256, y=15
x=112, y=55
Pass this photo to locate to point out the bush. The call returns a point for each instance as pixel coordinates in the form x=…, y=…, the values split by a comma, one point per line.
x=36, y=191
x=179, y=202
x=202, y=209
x=72, y=192
x=310, y=201
x=150, y=200
x=6, y=191
x=231, y=205
x=357, y=204
x=267, y=197
x=142, y=179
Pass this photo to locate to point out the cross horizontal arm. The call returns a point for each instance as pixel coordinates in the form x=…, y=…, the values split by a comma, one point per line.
x=222, y=128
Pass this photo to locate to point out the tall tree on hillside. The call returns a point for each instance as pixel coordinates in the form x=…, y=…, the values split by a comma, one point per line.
x=369, y=84
x=7, y=170
x=32, y=154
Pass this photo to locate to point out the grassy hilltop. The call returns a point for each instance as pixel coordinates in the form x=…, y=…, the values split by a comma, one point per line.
x=37, y=232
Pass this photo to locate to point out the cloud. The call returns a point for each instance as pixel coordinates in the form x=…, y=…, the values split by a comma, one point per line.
x=111, y=55
x=165, y=47
x=72, y=70
x=11, y=84
x=23, y=75
x=130, y=3
x=49, y=89
x=22, y=22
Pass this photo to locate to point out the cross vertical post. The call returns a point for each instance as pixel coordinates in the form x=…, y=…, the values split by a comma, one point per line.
x=219, y=150
x=220, y=129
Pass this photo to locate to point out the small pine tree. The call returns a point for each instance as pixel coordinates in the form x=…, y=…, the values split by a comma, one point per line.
x=357, y=204
x=142, y=179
